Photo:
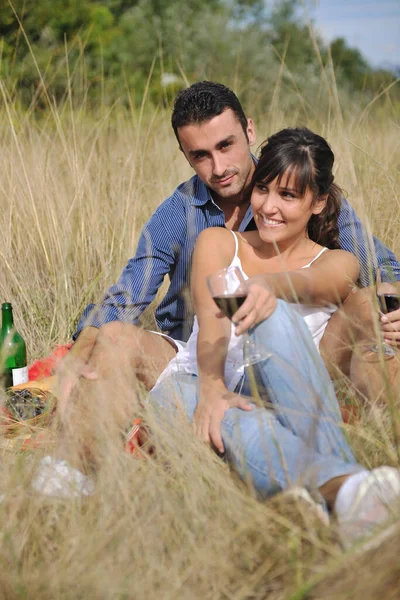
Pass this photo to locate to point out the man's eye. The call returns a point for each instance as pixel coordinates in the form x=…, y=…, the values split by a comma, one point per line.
x=226, y=144
x=199, y=156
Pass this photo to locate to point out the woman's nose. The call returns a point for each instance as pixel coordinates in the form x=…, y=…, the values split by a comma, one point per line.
x=271, y=203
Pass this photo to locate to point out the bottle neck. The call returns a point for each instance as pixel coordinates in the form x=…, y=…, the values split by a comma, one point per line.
x=7, y=319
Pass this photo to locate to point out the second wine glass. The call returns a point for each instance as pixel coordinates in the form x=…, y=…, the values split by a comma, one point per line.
x=388, y=300
x=229, y=291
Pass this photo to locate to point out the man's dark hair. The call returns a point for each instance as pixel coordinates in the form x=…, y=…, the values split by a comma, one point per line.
x=203, y=101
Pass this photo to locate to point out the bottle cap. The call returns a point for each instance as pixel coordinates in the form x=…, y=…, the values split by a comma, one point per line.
x=6, y=305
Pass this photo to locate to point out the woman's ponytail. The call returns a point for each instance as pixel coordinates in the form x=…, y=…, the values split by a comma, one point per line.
x=323, y=228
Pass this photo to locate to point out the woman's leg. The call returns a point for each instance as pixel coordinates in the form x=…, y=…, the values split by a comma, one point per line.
x=257, y=443
x=298, y=384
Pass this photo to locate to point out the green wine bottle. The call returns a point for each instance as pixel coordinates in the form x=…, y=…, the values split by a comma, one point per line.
x=12, y=350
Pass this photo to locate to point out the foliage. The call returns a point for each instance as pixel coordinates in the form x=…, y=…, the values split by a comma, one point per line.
x=105, y=51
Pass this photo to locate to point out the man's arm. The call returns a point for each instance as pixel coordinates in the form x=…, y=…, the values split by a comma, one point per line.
x=370, y=251
x=124, y=302
x=139, y=282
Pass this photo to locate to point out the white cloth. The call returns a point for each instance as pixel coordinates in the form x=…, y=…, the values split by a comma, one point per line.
x=185, y=361
x=316, y=317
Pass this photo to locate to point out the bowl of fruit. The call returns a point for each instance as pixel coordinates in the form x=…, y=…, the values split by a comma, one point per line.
x=26, y=408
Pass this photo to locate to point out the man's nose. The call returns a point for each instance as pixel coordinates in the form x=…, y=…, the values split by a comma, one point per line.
x=219, y=166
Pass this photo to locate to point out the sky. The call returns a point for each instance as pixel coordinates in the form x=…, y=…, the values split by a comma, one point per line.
x=372, y=26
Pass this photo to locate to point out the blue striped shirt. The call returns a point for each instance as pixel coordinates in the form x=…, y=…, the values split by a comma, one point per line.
x=165, y=248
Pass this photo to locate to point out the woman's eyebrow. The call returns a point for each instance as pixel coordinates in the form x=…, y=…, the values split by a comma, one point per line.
x=287, y=189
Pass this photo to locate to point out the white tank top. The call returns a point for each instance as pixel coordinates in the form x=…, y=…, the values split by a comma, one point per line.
x=316, y=319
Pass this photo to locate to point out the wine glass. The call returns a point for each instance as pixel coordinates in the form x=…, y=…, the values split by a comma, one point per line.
x=388, y=297
x=228, y=289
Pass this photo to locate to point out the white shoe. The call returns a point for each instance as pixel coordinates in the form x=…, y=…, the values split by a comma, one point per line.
x=58, y=479
x=373, y=504
x=302, y=496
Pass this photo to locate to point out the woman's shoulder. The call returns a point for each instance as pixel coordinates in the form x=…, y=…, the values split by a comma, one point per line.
x=215, y=235
x=335, y=254
x=216, y=239
x=338, y=258
x=214, y=247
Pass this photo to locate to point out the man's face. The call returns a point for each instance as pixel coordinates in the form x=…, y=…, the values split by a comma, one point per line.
x=219, y=152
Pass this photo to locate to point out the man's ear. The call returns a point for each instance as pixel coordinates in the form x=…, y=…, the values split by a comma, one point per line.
x=319, y=204
x=251, y=132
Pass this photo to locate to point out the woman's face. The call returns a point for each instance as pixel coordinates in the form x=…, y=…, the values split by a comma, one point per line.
x=280, y=212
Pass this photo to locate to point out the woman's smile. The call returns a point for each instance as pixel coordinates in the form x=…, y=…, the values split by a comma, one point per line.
x=268, y=222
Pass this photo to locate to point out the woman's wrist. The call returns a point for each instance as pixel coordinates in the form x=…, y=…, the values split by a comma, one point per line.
x=207, y=386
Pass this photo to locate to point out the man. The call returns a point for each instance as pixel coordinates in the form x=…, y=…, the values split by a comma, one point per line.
x=216, y=138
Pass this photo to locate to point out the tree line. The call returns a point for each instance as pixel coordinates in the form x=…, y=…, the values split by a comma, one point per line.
x=117, y=50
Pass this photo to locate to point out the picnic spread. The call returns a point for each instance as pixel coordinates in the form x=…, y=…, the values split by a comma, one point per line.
x=29, y=407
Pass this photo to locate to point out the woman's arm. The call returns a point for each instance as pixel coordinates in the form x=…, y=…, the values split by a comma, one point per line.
x=213, y=251
x=327, y=281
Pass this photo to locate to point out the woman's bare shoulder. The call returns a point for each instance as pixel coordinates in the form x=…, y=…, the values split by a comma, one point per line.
x=215, y=239
x=338, y=254
x=340, y=259
x=213, y=234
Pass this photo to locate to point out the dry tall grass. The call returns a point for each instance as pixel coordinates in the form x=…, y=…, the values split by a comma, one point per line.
x=75, y=192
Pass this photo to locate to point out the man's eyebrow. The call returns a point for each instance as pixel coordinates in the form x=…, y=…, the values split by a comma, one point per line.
x=197, y=151
x=230, y=138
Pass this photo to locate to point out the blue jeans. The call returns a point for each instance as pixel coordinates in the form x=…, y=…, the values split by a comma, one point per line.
x=298, y=438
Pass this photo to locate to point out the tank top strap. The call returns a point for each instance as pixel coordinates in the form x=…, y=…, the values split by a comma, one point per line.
x=235, y=256
x=315, y=258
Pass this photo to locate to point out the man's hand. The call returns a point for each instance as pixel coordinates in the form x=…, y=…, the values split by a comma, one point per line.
x=75, y=365
x=390, y=323
x=209, y=413
x=258, y=306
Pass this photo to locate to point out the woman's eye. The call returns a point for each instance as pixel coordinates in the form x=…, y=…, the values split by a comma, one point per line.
x=261, y=187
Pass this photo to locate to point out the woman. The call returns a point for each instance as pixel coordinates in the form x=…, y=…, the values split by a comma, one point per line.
x=295, y=205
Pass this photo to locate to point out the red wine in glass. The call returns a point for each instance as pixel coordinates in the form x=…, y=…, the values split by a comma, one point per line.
x=229, y=291
x=388, y=302
x=229, y=303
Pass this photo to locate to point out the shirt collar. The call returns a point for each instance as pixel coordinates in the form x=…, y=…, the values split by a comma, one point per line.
x=201, y=193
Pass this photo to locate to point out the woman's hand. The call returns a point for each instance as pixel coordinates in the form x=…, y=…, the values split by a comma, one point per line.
x=258, y=306
x=209, y=413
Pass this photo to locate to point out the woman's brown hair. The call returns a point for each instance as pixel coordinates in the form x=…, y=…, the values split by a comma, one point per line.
x=307, y=156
